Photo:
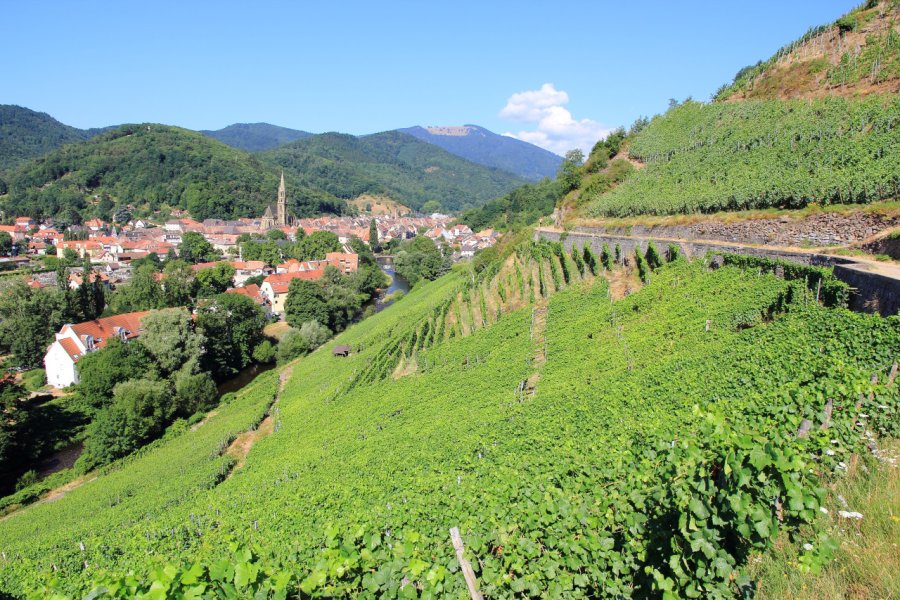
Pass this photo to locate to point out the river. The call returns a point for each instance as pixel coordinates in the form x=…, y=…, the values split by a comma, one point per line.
x=398, y=284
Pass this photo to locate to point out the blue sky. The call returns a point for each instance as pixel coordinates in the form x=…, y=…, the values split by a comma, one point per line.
x=362, y=67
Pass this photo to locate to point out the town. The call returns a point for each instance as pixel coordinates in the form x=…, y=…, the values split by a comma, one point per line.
x=112, y=249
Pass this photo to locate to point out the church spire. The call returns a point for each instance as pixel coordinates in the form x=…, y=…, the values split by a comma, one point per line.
x=281, y=207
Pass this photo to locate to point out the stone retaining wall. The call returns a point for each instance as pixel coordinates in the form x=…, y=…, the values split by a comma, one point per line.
x=823, y=229
x=871, y=292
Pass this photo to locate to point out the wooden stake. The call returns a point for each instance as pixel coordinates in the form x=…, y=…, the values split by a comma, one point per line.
x=464, y=565
x=892, y=375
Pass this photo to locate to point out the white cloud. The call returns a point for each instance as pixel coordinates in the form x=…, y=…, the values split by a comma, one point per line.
x=555, y=129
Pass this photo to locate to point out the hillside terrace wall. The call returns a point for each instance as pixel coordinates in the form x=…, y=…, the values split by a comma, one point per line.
x=823, y=229
x=872, y=292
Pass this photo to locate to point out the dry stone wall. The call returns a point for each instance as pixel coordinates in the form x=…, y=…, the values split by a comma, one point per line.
x=823, y=229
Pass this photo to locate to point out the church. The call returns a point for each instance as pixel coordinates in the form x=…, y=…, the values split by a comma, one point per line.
x=279, y=217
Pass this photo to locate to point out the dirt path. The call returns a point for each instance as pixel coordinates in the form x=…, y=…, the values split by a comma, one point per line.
x=242, y=444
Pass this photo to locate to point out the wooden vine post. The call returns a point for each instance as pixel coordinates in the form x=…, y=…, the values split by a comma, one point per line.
x=465, y=565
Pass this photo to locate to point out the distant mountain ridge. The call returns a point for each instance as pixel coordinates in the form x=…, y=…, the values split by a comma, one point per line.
x=487, y=148
x=152, y=165
x=256, y=137
x=26, y=133
x=393, y=164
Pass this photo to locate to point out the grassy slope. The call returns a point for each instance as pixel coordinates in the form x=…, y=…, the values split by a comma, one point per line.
x=394, y=164
x=454, y=443
x=759, y=154
x=857, y=55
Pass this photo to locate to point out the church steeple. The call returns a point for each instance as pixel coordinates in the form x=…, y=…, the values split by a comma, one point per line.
x=281, y=207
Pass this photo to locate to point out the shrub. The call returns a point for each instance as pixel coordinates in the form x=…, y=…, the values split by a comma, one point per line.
x=264, y=353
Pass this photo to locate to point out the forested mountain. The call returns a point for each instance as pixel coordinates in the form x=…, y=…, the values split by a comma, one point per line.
x=25, y=133
x=393, y=164
x=256, y=137
x=484, y=147
x=153, y=165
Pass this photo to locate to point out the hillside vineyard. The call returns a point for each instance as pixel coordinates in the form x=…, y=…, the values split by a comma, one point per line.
x=583, y=446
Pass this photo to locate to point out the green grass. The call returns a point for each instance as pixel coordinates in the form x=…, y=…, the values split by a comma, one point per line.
x=867, y=563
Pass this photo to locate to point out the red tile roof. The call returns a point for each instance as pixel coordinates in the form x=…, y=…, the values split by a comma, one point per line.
x=103, y=329
x=282, y=281
x=71, y=348
x=251, y=291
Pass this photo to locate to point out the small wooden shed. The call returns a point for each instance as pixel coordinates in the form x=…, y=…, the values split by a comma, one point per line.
x=341, y=350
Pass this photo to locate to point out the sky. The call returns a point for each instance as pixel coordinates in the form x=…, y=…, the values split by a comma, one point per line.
x=556, y=74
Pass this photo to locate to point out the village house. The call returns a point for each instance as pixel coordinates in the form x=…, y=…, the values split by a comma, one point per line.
x=81, y=248
x=74, y=341
x=275, y=287
x=253, y=292
x=245, y=269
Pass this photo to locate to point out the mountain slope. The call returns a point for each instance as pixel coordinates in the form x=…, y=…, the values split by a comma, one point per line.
x=153, y=165
x=577, y=442
x=256, y=137
x=25, y=133
x=484, y=147
x=393, y=164
x=857, y=55
x=816, y=123
x=758, y=154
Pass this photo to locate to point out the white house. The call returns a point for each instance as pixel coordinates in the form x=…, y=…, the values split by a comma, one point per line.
x=74, y=341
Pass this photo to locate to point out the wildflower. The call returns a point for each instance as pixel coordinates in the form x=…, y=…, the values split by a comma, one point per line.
x=807, y=546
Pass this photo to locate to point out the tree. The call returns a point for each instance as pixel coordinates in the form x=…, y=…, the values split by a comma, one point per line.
x=170, y=337
x=139, y=412
x=420, y=258
x=143, y=292
x=29, y=318
x=305, y=302
x=268, y=252
x=179, y=285
x=276, y=234
x=316, y=246
x=265, y=352
x=152, y=259
x=570, y=170
x=194, y=248
x=98, y=295
x=215, y=280
x=6, y=243
x=86, y=304
x=431, y=207
x=13, y=425
x=291, y=346
x=233, y=327
x=314, y=334
x=373, y=237
x=194, y=392
x=99, y=372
